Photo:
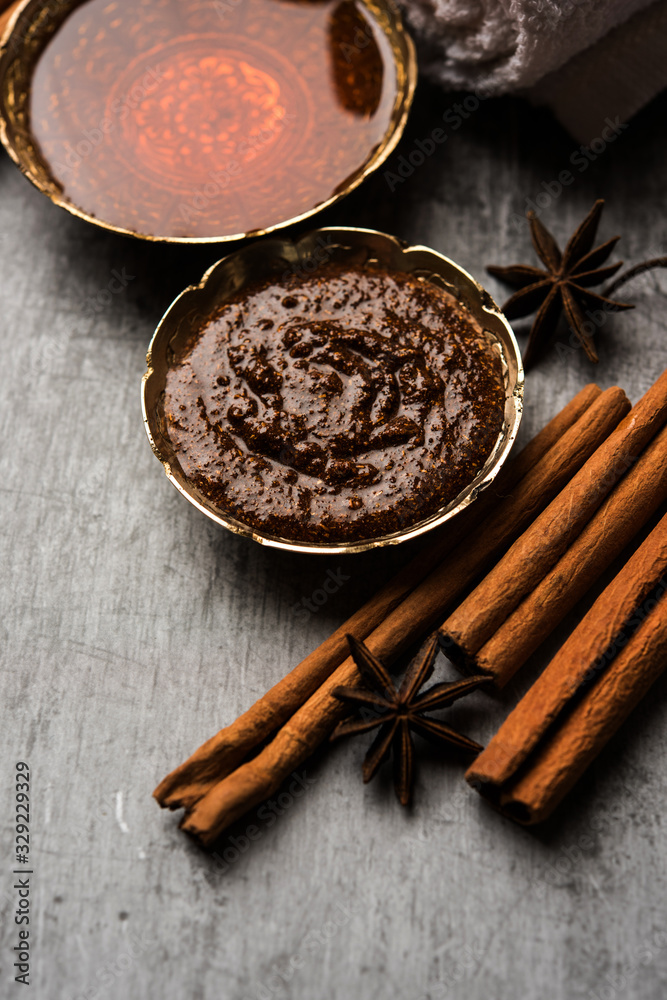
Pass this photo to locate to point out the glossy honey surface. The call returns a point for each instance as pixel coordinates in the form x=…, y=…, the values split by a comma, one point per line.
x=196, y=118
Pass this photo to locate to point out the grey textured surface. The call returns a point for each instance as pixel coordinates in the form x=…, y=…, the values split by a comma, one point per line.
x=132, y=629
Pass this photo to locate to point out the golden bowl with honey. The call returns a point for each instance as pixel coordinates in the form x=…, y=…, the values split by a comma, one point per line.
x=202, y=120
x=333, y=393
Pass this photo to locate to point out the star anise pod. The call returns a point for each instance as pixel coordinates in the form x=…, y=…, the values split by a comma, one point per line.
x=563, y=286
x=397, y=711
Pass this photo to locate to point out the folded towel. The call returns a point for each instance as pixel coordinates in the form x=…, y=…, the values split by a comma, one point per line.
x=612, y=80
x=496, y=47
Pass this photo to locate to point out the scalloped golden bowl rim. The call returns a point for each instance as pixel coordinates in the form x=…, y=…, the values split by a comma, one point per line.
x=274, y=248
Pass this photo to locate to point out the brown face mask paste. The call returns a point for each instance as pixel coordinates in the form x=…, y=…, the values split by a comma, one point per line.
x=336, y=407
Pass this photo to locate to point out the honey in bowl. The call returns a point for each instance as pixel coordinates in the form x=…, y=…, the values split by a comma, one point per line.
x=210, y=118
x=336, y=407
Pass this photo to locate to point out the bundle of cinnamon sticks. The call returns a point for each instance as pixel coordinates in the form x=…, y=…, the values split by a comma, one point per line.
x=595, y=680
x=566, y=549
x=555, y=518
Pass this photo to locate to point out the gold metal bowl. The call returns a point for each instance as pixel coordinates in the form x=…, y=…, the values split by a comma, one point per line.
x=34, y=23
x=361, y=248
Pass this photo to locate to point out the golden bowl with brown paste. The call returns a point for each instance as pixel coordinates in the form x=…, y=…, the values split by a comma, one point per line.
x=332, y=394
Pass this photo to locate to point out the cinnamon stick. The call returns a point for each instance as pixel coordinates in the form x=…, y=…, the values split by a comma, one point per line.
x=540, y=547
x=255, y=780
x=625, y=511
x=230, y=746
x=521, y=464
x=590, y=727
x=584, y=694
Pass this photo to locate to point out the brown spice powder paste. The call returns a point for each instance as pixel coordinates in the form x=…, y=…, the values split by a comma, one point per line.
x=336, y=407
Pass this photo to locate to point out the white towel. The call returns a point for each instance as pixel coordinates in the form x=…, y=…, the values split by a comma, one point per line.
x=496, y=47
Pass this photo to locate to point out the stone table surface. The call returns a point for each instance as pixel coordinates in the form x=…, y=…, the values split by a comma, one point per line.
x=132, y=629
